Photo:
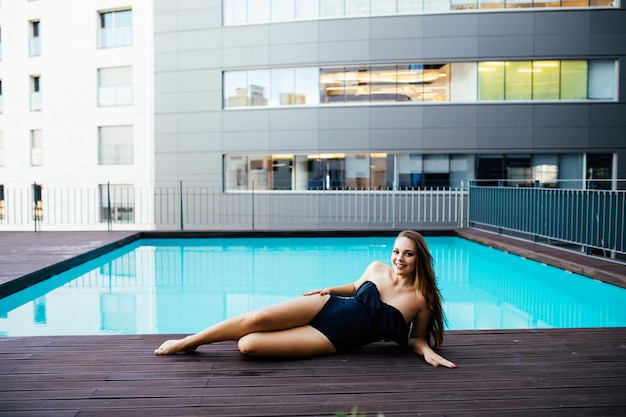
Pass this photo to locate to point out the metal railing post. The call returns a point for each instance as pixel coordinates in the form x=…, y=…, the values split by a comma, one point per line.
x=252, y=205
x=109, y=219
x=182, y=222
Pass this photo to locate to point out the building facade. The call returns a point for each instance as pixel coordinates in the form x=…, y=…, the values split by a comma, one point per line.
x=126, y=98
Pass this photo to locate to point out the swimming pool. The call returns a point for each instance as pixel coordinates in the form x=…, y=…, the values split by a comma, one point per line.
x=184, y=285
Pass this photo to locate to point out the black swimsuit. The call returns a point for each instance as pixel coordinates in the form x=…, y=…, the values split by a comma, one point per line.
x=352, y=322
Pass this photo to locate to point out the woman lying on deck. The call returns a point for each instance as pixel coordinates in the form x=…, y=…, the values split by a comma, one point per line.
x=400, y=303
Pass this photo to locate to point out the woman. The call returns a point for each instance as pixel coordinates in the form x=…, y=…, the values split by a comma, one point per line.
x=400, y=302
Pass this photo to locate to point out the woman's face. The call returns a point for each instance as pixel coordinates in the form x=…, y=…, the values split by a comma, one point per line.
x=404, y=256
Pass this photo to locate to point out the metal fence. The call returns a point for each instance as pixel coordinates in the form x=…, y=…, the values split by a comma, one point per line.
x=591, y=219
x=199, y=207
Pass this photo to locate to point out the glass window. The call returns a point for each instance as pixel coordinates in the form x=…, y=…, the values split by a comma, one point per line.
x=573, y=80
x=546, y=80
x=357, y=7
x=283, y=88
x=379, y=171
x=410, y=82
x=115, y=145
x=235, y=12
x=258, y=11
x=235, y=172
x=118, y=203
x=463, y=79
x=2, y=203
x=36, y=148
x=35, y=39
x=545, y=169
x=599, y=171
x=332, y=82
x=491, y=80
x=1, y=151
x=601, y=80
x=115, y=86
x=519, y=77
x=410, y=171
x=115, y=29
x=308, y=86
x=283, y=9
x=35, y=93
x=436, y=82
x=307, y=9
x=436, y=5
x=281, y=172
x=517, y=4
x=463, y=4
x=410, y=6
x=357, y=172
x=383, y=84
x=235, y=89
x=491, y=4
x=332, y=8
x=357, y=84
x=383, y=7
x=259, y=87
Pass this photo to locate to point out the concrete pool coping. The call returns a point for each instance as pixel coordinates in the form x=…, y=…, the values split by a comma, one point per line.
x=27, y=258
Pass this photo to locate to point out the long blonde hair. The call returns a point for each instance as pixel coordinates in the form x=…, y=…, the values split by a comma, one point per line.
x=426, y=283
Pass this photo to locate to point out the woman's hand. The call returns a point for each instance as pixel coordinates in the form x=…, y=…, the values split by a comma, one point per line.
x=320, y=292
x=421, y=347
x=437, y=360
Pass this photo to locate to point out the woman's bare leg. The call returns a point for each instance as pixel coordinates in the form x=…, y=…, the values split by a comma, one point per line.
x=290, y=314
x=294, y=343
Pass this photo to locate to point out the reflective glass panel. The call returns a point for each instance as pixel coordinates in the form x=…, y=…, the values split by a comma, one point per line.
x=437, y=82
x=436, y=5
x=235, y=89
x=383, y=6
x=332, y=8
x=518, y=80
x=307, y=86
x=463, y=81
x=463, y=4
x=491, y=4
x=573, y=80
x=491, y=80
x=357, y=7
x=383, y=85
x=546, y=80
x=410, y=82
x=259, y=11
x=601, y=80
x=307, y=9
x=332, y=82
x=259, y=82
x=410, y=6
x=357, y=172
x=283, y=88
x=283, y=9
x=235, y=172
x=357, y=84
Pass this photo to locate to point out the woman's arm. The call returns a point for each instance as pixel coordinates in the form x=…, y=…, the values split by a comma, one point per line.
x=419, y=343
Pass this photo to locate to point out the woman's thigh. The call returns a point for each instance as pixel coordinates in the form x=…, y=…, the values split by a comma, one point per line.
x=289, y=314
x=295, y=342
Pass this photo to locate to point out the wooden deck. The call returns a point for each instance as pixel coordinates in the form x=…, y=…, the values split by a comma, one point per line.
x=500, y=373
x=556, y=372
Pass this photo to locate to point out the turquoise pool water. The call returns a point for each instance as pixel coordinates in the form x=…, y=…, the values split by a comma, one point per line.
x=184, y=285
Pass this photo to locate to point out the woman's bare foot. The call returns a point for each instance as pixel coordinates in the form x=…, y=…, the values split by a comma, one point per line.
x=170, y=347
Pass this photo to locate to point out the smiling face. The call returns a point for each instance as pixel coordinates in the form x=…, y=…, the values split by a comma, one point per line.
x=404, y=256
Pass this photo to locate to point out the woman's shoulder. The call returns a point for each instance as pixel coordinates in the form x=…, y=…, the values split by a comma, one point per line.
x=378, y=265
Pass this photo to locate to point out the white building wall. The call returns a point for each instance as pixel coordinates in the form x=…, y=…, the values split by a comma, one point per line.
x=70, y=116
